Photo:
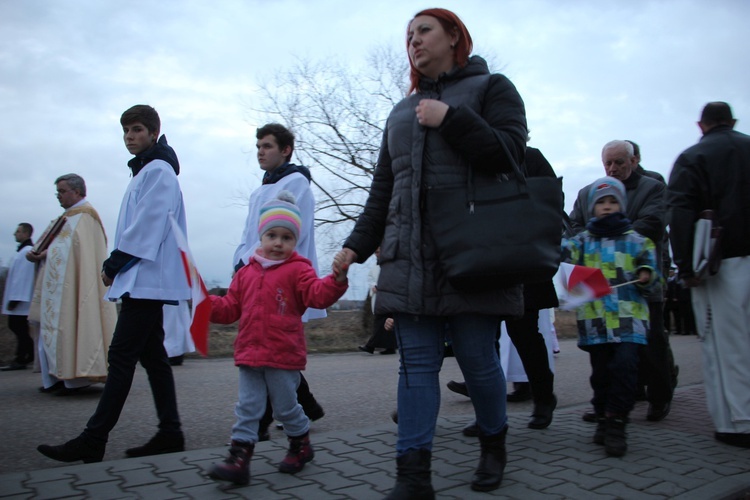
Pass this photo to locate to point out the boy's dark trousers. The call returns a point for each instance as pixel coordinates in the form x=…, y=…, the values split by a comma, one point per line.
x=529, y=342
x=686, y=313
x=380, y=336
x=658, y=362
x=672, y=310
x=614, y=373
x=19, y=325
x=138, y=336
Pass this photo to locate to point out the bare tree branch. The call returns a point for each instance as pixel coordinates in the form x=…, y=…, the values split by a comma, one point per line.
x=338, y=113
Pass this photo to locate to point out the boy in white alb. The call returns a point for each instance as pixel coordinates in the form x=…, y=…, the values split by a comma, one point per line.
x=145, y=272
x=19, y=287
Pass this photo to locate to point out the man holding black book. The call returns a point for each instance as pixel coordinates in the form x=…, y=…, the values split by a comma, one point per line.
x=715, y=175
x=75, y=323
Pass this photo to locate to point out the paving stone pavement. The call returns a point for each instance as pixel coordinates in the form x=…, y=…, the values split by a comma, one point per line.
x=676, y=459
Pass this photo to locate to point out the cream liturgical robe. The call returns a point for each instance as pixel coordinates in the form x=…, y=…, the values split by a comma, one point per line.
x=76, y=323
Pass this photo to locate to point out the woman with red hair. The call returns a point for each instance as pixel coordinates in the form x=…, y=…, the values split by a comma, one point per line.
x=457, y=117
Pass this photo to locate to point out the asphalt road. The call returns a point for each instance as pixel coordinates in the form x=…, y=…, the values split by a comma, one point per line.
x=356, y=390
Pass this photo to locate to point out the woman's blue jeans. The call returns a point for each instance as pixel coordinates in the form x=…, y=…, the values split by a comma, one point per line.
x=421, y=342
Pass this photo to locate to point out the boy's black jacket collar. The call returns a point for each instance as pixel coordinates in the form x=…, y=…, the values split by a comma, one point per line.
x=279, y=173
x=159, y=151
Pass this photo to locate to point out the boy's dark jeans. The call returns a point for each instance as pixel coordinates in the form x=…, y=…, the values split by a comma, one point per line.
x=614, y=373
x=138, y=336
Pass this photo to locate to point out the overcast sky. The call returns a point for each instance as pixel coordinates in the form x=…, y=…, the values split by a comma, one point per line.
x=588, y=71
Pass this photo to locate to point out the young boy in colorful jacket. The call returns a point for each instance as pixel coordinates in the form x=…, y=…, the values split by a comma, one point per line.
x=612, y=328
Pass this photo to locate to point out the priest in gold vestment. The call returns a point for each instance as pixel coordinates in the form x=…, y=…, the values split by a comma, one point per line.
x=75, y=322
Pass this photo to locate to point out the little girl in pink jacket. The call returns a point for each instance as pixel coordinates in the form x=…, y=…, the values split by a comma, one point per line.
x=268, y=296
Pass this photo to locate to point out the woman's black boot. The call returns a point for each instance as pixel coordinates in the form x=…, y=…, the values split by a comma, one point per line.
x=489, y=473
x=413, y=481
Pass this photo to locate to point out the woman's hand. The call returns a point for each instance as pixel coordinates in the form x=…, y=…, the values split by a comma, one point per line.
x=431, y=112
x=346, y=256
x=341, y=263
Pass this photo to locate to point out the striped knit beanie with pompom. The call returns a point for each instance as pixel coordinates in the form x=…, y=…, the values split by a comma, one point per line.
x=282, y=211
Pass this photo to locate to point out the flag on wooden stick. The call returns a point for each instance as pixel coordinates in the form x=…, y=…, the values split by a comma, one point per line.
x=577, y=285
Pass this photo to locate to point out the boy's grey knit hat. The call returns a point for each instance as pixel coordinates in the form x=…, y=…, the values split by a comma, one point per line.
x=607, y=186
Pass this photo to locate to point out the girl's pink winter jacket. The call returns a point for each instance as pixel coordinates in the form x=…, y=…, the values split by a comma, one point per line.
x=269, y=304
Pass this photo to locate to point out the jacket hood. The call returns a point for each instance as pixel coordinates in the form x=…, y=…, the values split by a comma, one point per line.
x=159, y=151
x=476, y=66
x=279, y=173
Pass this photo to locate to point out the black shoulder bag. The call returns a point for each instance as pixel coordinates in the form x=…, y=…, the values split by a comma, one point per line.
x=497, y=231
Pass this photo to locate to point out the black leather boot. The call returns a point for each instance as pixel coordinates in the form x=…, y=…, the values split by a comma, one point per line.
x=601, y=429
x=541, y=417
x=615, y=439
x=489, y=473
x=471, y=430
x=521, y=392
x=160, y=444
x=413, y=479
x=79, y=448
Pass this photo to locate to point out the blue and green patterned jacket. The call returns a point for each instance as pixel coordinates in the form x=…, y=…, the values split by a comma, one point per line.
x=621, y=316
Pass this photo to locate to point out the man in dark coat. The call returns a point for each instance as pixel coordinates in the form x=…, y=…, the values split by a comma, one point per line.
x=715, y=174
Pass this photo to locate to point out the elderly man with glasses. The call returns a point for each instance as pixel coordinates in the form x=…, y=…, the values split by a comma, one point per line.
x=74, y=323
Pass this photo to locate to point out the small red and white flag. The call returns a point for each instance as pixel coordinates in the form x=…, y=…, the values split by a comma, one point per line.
x=201, y=310
x=577, y=285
